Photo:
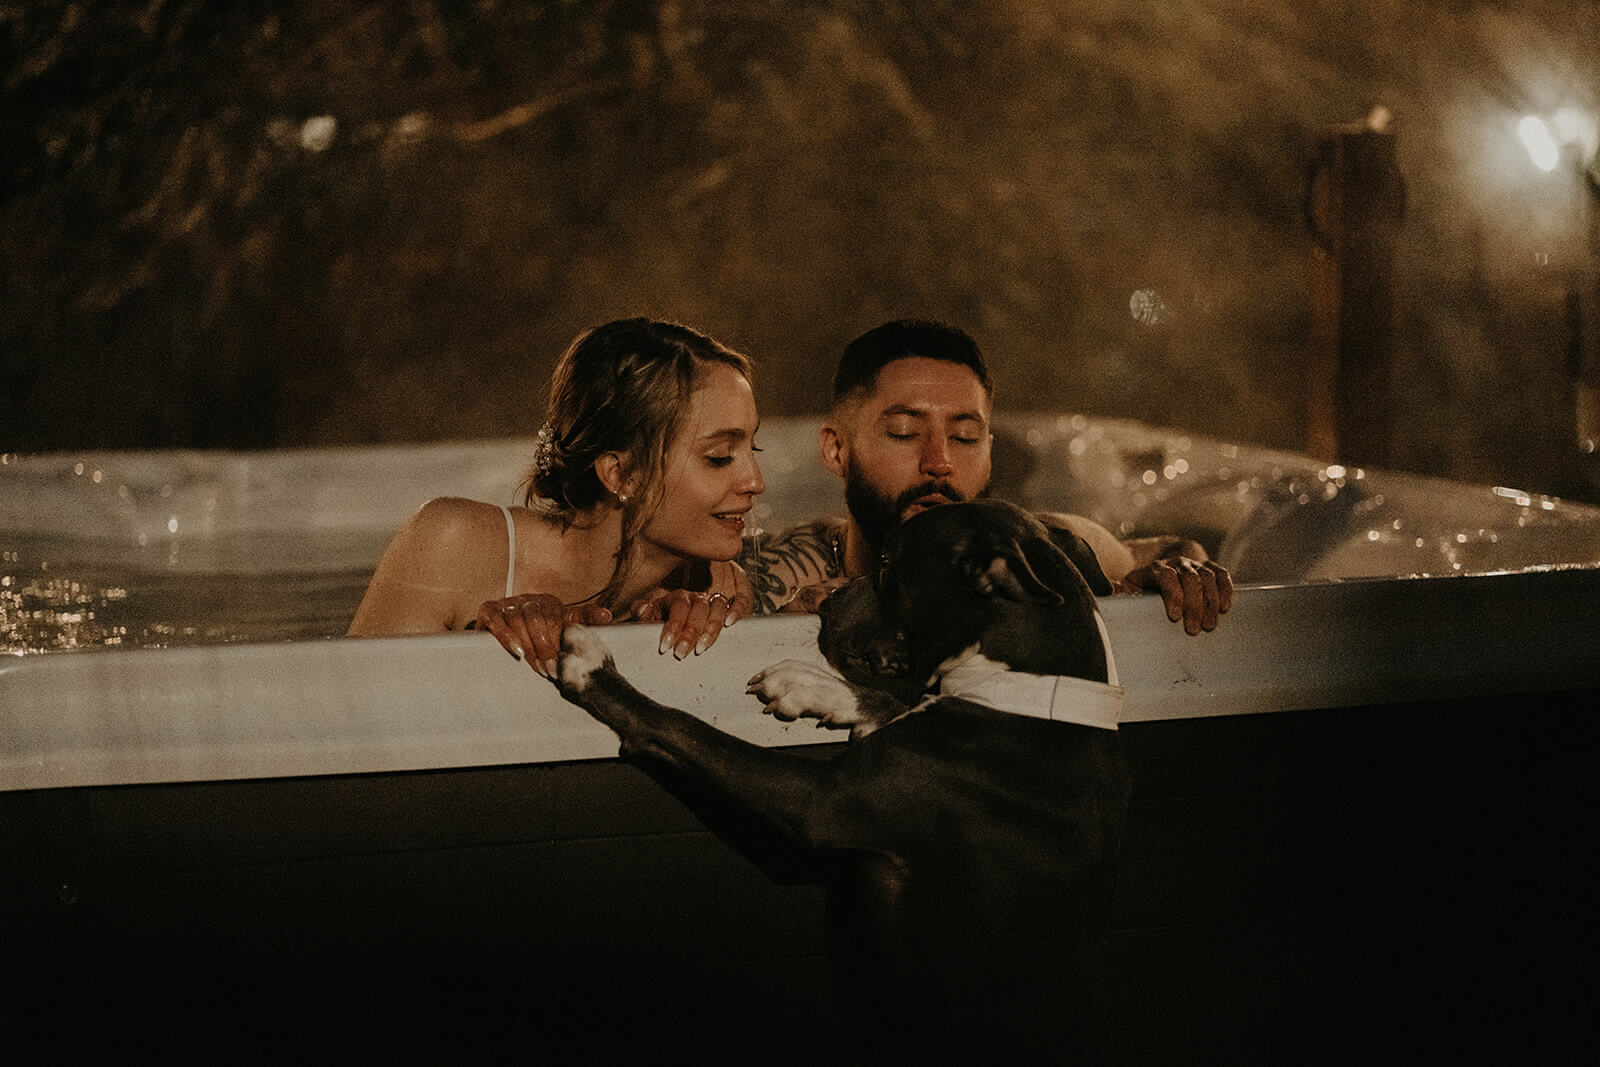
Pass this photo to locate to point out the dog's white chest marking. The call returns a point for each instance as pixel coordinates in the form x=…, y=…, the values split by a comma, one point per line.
x=585, y=654
x=972, y=676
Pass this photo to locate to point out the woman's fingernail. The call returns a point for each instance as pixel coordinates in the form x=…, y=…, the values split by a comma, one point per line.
x=666, y=643
x=550, y=669
x=702, y=644
x=681, y=650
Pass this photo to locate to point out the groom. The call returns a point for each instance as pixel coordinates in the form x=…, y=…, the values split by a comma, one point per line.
x=909, y=430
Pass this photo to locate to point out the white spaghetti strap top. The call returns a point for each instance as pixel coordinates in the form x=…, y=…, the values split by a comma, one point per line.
x=511, y=549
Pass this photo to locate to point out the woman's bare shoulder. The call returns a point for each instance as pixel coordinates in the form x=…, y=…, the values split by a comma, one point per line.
x=457, y=510
x=450, y=523
x=447, y=549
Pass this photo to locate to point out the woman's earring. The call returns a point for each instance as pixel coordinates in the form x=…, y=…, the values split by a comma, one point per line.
x=622, y=498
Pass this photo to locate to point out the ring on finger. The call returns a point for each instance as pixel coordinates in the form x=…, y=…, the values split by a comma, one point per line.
x=509, y=609
x=719, y=596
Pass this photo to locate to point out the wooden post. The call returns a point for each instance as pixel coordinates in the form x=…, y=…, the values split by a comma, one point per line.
x=1354, y=202
x=1585, y=363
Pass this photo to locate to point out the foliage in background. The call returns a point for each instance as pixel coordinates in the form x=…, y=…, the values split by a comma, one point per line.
x=263, y=224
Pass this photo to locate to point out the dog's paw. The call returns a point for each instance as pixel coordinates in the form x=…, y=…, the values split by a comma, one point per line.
x=793, y=690
x=582, y=653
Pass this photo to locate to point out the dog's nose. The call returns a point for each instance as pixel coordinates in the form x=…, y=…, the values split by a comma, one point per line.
x=889, y=661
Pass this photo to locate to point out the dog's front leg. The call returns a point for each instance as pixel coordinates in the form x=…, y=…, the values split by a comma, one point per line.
x=785, y=789
x=794, y=690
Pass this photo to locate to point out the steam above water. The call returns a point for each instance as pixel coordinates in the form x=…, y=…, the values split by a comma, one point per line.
x=361, y=223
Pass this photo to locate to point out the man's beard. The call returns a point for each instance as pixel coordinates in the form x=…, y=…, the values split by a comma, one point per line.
x=876, y=514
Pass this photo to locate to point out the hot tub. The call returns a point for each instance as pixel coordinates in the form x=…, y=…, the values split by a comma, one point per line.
x=1362, y=817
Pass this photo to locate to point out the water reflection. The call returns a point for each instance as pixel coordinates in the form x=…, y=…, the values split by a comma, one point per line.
x=53, y=600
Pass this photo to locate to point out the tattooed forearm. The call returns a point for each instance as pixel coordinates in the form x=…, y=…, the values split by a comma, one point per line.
x=780, y=565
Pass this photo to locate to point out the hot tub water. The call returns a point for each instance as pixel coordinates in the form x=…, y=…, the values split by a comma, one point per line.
x=154, y=549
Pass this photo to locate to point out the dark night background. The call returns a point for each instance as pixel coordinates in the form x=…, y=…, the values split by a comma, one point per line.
x=254, y=225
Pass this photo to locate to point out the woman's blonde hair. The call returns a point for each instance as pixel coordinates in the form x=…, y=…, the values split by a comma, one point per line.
x=622, y=387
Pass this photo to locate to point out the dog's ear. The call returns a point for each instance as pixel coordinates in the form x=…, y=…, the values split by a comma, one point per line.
x=1000, y=568
x=1077, y=550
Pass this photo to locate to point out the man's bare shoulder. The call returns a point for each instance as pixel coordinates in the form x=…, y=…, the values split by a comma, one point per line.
x=1065, y=520
x=1115, y=558
x=801, y=555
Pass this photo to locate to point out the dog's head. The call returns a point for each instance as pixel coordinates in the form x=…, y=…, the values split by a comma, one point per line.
x=980, y=572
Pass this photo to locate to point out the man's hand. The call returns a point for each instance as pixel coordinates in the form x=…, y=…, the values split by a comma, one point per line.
x=1197, y=591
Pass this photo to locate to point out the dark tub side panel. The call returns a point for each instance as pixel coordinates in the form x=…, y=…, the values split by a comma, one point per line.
x=1359, y=885
x=499, y=910
x=1412, y=883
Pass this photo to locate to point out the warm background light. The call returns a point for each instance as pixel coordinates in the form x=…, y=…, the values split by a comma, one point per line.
x=1542, y=148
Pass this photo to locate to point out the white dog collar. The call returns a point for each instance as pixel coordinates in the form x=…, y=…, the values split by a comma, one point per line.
x=1060, y=698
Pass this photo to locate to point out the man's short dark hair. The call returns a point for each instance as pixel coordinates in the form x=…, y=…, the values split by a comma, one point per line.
x=868, y=354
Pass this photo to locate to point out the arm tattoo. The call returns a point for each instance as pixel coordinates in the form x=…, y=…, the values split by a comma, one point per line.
x=780, y=565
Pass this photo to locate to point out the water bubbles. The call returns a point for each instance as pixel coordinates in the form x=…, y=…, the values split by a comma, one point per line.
x=317, y=133
x=412, y=126
x=1147, y=307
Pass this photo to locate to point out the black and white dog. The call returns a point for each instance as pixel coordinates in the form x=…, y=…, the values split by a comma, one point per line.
x=968, y=830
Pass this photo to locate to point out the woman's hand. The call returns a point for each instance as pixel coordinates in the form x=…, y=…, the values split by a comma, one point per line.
x=691, y=621
x=729, y=579
x=529, y=626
